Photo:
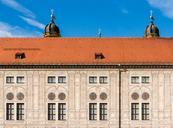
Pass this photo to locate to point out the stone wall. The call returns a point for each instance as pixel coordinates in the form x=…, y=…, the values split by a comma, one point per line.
x=77, y=90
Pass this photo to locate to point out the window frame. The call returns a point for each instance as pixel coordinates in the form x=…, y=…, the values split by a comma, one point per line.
x=17, y=82
x=48, y=78
x=145, y=111
x=10, y=79
x=135, y=109
x=10, y=111
x=135, y=76
x=145, y=80
x=51, y=108
x=103, y=81
x=93, y=111
x=103, y=111
x=20, y=111
x=62, y=111
x=62, y=79
x=92, y=79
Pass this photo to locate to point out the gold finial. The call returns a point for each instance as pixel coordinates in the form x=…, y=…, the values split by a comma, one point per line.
x=151, y=16
x=99, y=33
x=52, y=15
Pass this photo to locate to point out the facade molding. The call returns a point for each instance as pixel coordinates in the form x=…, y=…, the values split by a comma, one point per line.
x=130, y=66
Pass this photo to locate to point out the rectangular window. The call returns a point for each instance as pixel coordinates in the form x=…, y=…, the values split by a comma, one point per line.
x=62, y=111
x=145, y=111
x=145, y=79
x=20, y=111
x=51, y=79
x=10, y=111
x=93, y=111
x=61, y=79
x=103, y=80
x=103, y=111
x=51, y=111
x=93, y=79
x=135, y=111
x=135, y=79
x=10, y=79
x=20, y=79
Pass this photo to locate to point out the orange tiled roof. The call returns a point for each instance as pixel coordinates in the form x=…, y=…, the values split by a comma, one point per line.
x=82, y=50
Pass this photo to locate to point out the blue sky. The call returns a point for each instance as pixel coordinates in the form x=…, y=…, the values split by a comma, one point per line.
x=83, y=18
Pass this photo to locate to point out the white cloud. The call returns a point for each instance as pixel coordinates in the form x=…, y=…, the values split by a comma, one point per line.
x=18, y=7
x=16, y=31
x=8, y=30
x=33, y=22
x=124, y=11
x=166, y=6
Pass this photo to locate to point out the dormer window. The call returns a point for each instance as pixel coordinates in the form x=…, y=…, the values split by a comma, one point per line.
x=20, y=55
x=99, y=56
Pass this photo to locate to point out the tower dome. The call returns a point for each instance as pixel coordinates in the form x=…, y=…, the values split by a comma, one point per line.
x=51, y=29
x=151, y=30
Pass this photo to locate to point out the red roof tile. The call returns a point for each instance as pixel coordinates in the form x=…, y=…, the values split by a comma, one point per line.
x=83, y=50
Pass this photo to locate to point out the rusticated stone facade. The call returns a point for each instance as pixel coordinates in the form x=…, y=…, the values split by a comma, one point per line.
x=77, y=89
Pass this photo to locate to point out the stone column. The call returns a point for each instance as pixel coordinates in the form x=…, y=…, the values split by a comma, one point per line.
x=155, y=100
x=167, y=92
x=161, y=95
x=171, y=98
x=29, y=112
x=113, y=100
x=71, y=99
x=83, y=99
x=2, y=110
x=35, y=95
x=42, y=112
x=125, y=99
x=77, y=98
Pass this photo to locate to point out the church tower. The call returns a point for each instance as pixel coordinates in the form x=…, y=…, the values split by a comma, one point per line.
x=151, y=30
x=51, y=29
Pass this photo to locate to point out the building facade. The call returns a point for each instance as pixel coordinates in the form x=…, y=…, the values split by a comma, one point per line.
x=55, y=82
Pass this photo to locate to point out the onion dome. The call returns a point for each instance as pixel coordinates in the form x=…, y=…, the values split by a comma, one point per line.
x=151, y=30
x=51, y=29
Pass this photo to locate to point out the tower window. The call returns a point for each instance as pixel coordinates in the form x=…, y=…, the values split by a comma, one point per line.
x=20, y=55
